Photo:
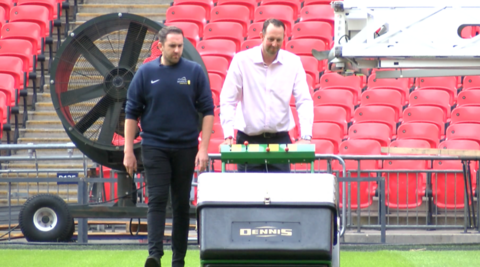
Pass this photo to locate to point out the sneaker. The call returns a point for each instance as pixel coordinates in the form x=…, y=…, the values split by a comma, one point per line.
x=152, y=262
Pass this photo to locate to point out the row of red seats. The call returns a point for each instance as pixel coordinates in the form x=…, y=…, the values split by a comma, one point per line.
x=405, y=190
x=25, y=27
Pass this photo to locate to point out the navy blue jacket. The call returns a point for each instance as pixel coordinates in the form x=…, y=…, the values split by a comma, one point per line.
x=167, y=99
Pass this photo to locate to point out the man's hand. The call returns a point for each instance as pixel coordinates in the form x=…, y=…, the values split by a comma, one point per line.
x=302, y=142
x=227, y=141
x=201, y=160
x=130, y=162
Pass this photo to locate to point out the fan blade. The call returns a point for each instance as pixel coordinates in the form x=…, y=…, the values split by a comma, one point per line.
x=82, y=94
x=110, y=123
x=93, y=55
x=320, y=55
x=92, y=116
x=132, y=46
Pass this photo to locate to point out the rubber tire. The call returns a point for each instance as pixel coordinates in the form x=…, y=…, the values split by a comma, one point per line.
x=61, y=231
x=336, y=253
x=71, y=231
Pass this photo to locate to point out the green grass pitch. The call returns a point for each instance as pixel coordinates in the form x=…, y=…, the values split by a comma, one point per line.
x=129, y=258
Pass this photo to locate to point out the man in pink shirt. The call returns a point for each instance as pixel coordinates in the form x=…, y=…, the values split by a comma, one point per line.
x=255, y=97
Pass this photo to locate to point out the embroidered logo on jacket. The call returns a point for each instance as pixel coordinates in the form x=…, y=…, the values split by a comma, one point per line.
x=183, y=80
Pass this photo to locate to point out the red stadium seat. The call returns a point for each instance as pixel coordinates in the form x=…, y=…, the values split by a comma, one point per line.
x=404, y=190
x=294, y=4
x=324, y=147
x=466, y=114
x=304, y=47
x=2, y=16
x=190, y=31
x=468, y=98
x=327, y=131
x=282, y=13
x=35, y=14
x=366, y=190
x=313, y=30
x=224, y=30
x=206, y=4
x=24, y=30
x=21, y=49
x=6, y=5
x=449, y=188
x=435, y=98
x=250, y=4
x=318, y=2
x=371, y=131
x=4, y=111
x=420, y=131
x=468, y=32
x=222, y=48
x=337, y=81
x=399, y=84
x=254, y=30
x=232, y=13
x=216, y=83
x=187, y=13
x=318, y=13
x=340, y=98
x=14, y=67
x=217, y=65
x=7, y=86
x=464, y=131
x=310, y=65
x=51, y=5
x=377, y=114
x=250, y=43
x=332, y=114
x=447, y=84
x=425, y=114
x=384, y=97
x=471, y=82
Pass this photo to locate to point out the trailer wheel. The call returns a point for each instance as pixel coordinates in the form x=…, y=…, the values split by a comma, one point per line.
x=45, y=218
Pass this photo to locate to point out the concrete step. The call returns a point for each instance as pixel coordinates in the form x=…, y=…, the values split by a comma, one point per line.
x=44, y=124
x=43, y=133
x=48, y=106
x=42, y=140
x=153, y=16
x=123, y=8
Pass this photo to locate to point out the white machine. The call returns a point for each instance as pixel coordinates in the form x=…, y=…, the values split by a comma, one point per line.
x=417, y=38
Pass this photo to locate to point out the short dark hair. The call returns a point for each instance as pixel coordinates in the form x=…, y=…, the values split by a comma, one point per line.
x=162, y=34
x=275, y=22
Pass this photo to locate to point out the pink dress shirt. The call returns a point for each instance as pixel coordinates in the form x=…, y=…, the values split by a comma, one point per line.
x=255, y=98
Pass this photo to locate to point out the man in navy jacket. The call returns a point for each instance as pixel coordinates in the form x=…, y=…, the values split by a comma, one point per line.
x=166, y=95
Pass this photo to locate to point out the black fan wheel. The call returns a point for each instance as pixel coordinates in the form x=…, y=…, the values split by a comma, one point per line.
x=90, y=77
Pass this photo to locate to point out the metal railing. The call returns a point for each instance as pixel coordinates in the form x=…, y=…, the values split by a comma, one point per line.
x=379, y=198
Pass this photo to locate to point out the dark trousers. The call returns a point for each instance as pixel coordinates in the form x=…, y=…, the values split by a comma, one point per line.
x=279, y=138
x=165, y=168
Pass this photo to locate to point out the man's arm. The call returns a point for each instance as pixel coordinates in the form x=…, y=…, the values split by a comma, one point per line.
x=129, y=160
x=303, y=102
x=133, y=109
x=205, y=106
x=229, y=98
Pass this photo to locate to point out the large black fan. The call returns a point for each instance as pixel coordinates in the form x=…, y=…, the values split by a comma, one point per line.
x=90, y=77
